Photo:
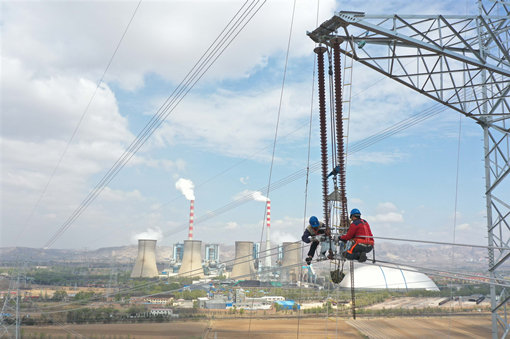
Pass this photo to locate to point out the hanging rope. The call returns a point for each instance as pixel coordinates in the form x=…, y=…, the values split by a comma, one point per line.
x=307, y=173
x=454, y=225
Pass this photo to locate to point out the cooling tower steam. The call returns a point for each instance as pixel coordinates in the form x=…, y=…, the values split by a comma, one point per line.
x=150, y=234
x=186, y=187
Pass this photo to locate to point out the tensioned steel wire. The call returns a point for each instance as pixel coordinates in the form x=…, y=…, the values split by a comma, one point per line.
x=275, y=139
x=175, y=98
x=166, y=292
x=457, y=274
x=391, y=130
x=403, y=267
x=79, y=122
x=455, y=220
x=181, y=275
x=407, y=123
x=308, y=170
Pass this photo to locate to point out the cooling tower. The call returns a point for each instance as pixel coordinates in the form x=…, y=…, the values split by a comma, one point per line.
x=192, y=259
x=243, y=265
x=145, y=265
x=291, y=257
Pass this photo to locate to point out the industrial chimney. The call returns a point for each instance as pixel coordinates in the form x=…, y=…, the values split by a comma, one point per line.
x=291, y=257
x=268, y=241
x=145, y=265
x=192, y=259
x=191, y=217
x=243, y=265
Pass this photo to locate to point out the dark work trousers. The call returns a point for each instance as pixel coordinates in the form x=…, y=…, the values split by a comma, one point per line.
x=356, y=251
x=313, y=247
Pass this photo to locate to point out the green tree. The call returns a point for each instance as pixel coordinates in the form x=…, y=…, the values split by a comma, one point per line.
x=241, y=311
x=59, y=295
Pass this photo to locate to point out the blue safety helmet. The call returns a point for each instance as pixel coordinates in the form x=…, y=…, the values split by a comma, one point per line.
x=355, y=212
x=314, y=222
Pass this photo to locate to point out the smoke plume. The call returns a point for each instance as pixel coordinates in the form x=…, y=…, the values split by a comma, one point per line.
x=150, y=234
x=186, y=187
x=255, y=195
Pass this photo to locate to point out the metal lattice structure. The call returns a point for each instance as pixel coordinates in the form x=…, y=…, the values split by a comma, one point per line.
x=10, y=319
x=463, y=62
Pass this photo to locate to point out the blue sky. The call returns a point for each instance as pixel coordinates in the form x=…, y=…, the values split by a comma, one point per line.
x=54, y=53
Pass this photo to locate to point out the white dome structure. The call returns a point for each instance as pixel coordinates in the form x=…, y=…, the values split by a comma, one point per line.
x=397, y=278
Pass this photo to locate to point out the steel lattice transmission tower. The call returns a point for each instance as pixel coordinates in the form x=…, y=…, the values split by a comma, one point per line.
x=463, y=62
x=10, y=319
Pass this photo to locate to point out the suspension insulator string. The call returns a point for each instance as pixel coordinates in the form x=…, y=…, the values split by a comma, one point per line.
x=323, y=130
x=340, y=129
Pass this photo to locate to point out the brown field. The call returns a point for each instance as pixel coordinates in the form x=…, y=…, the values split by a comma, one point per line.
x=389, y=328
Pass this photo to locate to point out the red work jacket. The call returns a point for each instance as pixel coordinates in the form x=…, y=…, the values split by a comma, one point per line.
x=358, y=230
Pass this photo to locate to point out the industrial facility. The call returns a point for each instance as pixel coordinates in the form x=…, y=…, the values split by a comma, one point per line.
x=395, y=278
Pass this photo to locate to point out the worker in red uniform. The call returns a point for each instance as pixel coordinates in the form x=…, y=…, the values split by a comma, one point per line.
x=360, y=232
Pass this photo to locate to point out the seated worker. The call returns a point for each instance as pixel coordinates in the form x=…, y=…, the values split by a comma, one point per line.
x=314, y=229
x=357, y=230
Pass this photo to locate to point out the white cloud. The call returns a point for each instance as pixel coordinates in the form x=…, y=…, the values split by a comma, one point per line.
x=199, y=118
x=109, y=194
x=384, y=158
x=244, y=180
x=178, y=165
x=463, y=227
x=356, y=201
x=390, y=217
x=458, y=215
x=231, y=225
x=385, y=207
x=78, y=38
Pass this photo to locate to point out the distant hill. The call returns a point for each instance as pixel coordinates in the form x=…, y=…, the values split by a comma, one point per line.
x=431, y=256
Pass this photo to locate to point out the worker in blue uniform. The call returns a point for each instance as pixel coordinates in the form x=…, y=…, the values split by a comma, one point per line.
x=312, y=231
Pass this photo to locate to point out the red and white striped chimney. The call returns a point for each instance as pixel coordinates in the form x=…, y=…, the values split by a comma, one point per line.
x=268, y=215
x=268, y=241
x=191, y=215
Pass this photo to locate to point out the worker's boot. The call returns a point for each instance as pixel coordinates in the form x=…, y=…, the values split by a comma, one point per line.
x=308, y=260
x=362, y=257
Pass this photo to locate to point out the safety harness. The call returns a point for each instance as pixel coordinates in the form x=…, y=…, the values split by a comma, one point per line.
x=362, y=241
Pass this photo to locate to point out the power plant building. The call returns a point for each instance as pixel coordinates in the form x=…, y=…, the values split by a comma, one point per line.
x=256, y=250
x=212, y=252
x=145, y=265
x=178, y=252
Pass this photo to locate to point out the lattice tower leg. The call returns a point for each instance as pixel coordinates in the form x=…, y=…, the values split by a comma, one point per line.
x=353, y=292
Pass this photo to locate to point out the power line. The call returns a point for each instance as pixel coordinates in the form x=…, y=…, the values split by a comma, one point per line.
x=79, y=123
x=184, y=274
x=165, y=111
x=391, y=130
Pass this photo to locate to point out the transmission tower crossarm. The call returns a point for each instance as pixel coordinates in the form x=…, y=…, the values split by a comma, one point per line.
x=462, y=62
x=343, y=19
